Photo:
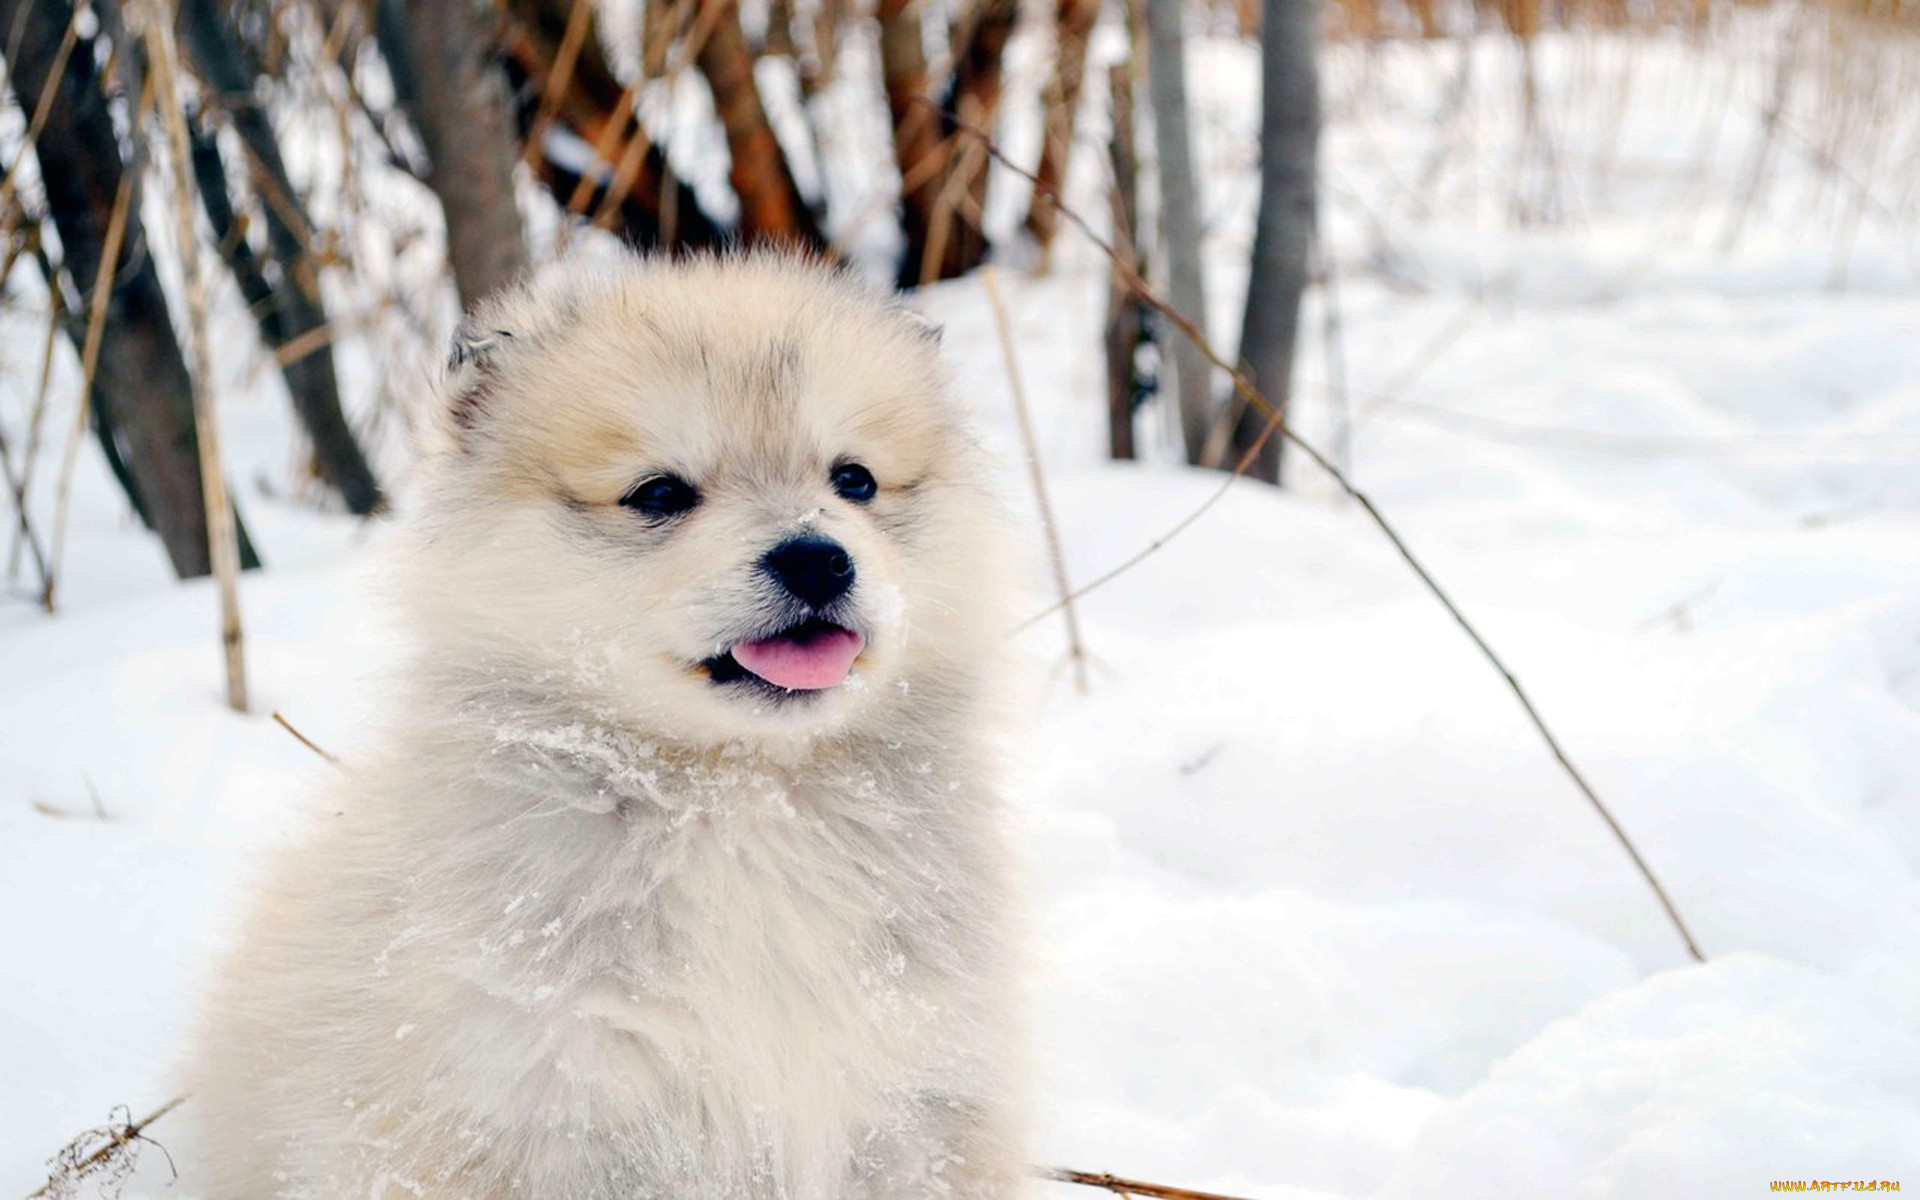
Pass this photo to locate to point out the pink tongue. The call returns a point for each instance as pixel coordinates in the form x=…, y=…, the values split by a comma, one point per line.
x=821, y=661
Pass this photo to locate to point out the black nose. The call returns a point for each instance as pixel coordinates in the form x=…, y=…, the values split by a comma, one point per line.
x=813, y=568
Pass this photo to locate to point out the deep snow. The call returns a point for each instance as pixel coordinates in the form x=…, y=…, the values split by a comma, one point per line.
x=1321, y=917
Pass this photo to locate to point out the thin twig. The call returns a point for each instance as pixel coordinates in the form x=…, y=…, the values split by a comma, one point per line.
x=558, y=78
x=132, y=1133
x=222, y=541
x=1335, y=356
x=627, y=168
x=1783, y=80
x=1276, y=423
x=30, y=453
x=43, y=105
x=103, y=285
x=280, y=719
x=1179, y=527
x=1429, y=353
x=314, y=340
x=1129, y=1187
x=24, y=526
x=1076, y=651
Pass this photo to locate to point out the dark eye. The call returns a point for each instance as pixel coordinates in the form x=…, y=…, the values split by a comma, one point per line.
x=854, y=482
x=661, y=496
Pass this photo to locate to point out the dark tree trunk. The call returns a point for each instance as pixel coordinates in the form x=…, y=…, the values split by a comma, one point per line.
x=771, y=207
x=1283, y=231
x=290, y=308
x=1126, y=313
x=142, y=392
x=109, y=443
x=448, y=78
x=75, y=327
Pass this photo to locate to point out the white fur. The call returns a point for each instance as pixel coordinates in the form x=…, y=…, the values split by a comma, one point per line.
x=588, y=924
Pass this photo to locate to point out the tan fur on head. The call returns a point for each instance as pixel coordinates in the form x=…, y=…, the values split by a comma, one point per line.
x=750, y=378
x=598, y=922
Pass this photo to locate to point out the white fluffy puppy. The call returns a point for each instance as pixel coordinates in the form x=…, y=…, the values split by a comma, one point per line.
x=681, y=873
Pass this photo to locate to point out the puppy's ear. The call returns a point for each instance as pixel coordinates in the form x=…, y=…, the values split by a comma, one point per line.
x=468, y=386
x=921, y=324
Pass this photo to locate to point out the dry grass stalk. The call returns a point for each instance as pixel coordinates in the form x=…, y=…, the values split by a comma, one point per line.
x=1130, y=1187
x=311, y=342
x=1056, y=557
x=612, y=137
x=20, y=484
x=222, y=542
x=554, y=86
x=1073, y=24
x=90, y=362
x=42, y=107
x=1762, y=160
x=1336, y=365
x=1275, y=423
x=280, y=719
x=946, y=206
x=23, y=527
x=627, y=168
x=113, y=1158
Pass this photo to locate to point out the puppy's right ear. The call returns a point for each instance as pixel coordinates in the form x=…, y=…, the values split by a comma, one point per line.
x=469, y=384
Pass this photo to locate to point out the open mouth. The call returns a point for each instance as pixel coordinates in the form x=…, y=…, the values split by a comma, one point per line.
x=809, y=657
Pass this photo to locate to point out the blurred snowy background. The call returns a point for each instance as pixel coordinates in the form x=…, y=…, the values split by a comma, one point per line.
x=1618, y=321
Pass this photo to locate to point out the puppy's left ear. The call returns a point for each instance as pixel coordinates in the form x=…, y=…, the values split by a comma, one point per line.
x=468, y=386
x=921, y=324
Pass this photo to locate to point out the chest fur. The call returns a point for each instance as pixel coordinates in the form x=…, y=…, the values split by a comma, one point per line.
x=771, y=967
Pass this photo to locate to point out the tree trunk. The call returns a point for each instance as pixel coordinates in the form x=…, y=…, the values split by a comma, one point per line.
x=1073, y=25
x=449, y=82
x=1126, y=312
x=98, y=407
x=290, y=309
x=916, y=127
x=771, y=207
x=141, y=390
x=1074, y=22
x=1283, y=230
x=944, y=189
x=1180, y=219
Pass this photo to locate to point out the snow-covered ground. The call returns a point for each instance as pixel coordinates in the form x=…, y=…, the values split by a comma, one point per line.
x=1321, y=916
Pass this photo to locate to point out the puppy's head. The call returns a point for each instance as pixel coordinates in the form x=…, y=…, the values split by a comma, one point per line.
x=721, y=499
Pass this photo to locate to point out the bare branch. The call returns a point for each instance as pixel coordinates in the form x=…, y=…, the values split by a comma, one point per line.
x=1076, y=652
x=280, y=719
x=89, y=366
x=222, y=543
x=1129, y=1187
x=1275, y=422
x=66, y=1172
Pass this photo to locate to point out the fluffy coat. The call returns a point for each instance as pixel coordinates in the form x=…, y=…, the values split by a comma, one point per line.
x=589, y=923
